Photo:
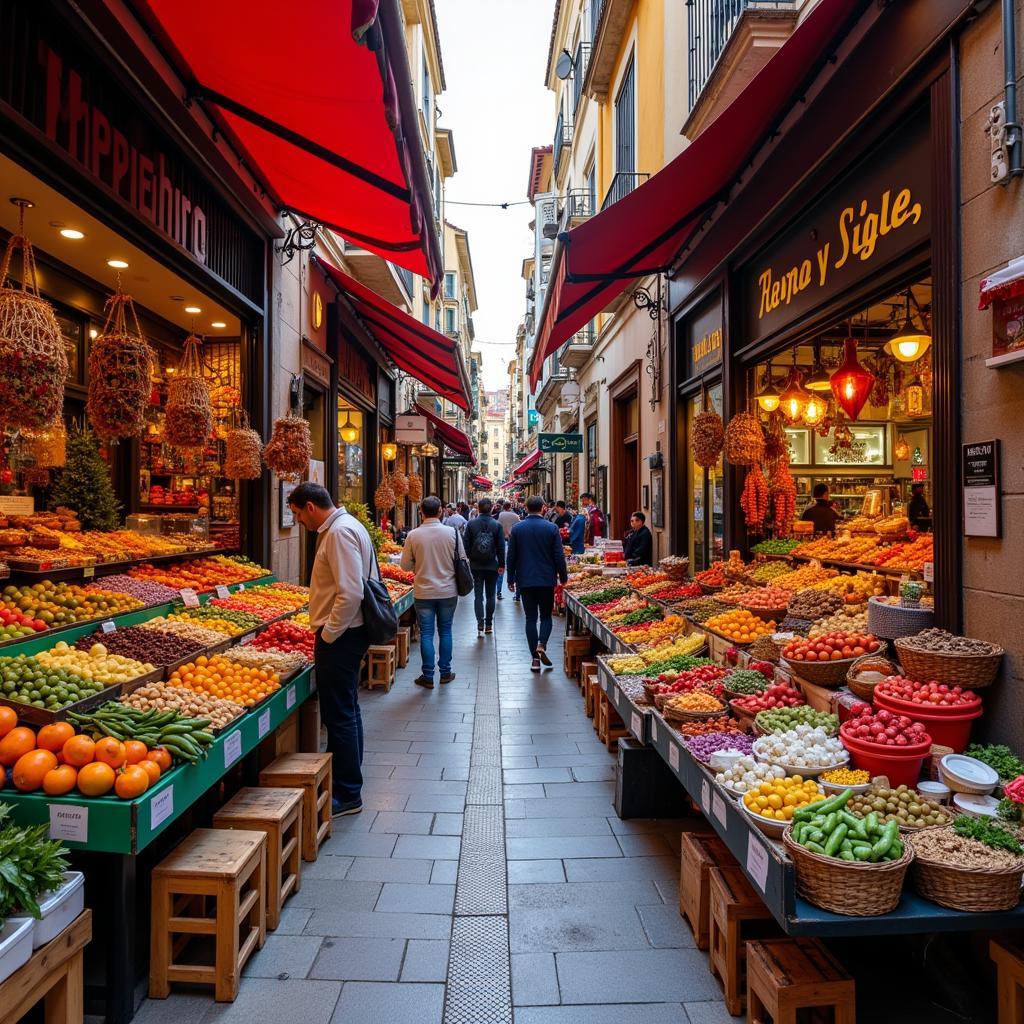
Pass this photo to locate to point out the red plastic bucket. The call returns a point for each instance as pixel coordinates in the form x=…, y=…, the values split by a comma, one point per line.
x=901, y=769
x=948, y=729
x=881, y=699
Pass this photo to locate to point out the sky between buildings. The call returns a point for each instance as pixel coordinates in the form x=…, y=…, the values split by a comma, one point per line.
x=494, y=54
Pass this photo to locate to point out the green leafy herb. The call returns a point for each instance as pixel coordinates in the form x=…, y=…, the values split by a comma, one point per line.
x=603, y=596
x=1008, y=810
x=998, y=756
x=30, y=865
x=992, y=835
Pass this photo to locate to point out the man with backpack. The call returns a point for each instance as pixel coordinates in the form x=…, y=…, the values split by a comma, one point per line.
x=485, y=547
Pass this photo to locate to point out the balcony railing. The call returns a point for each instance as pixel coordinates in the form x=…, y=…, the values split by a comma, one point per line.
x=710, y=23
x=579, y=72
x=563, y=139
x=622, y=184
x=578, y=206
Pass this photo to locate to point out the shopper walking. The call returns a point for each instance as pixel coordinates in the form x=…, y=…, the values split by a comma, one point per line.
x=344, y=560
x=535, y=562
x=577, y=531
x=485, y=544
x=456, y=519
x=508, y=518
x=430, y=552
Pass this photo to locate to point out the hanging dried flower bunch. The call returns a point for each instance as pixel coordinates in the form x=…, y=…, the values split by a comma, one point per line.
x=881, y=390
x=775, y=444
x=48, y=448
x=242, y=452
x=289, y=449
x=744, y=440
x=782, y=491
x=415, y=487
x=754, y=500
x=188, y=419
x=384, y=496
x=399, y=483
x=707, y=438
x=120, y=366
x=33, y=360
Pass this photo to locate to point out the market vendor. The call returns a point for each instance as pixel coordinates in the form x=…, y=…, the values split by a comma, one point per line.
x=638, y=544
x=821, y=513
x=918, y=512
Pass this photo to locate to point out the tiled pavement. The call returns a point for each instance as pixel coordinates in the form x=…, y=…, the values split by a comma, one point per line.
x=593, y=930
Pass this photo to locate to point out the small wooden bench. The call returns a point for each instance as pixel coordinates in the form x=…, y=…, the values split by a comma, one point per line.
x=219, y=867
x=312, y=774
x=610, y=726
x=735, y=910
x=700, y=851
x=278, y=812
x=576, y=650
x=380, y=666
x=1009, y=961
x=53, y=975
x=785, y=976
x=587, y=669
x=403, y=644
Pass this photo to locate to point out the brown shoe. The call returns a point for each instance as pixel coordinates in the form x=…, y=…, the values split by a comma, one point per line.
x=543, y=655
x=447, y=677
x=427, y=684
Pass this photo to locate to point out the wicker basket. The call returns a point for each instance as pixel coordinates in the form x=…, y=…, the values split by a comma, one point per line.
x=851, y=888
x=677, y=572
x=890, y=621
x=971, y=670
x=973, y=890
x=709, y=589
x=869, y=663
x=672, y=715
x=820, y=673
x=775, y=615
x=744, y=717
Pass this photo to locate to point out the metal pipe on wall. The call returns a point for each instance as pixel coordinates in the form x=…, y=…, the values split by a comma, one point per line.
x=1013, y=128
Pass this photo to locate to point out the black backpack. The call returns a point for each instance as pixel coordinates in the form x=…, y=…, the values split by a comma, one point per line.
x=482, y=549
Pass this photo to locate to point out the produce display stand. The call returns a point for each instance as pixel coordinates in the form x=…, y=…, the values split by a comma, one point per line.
x=98, y=569
x=404, y=603
x=636, y=716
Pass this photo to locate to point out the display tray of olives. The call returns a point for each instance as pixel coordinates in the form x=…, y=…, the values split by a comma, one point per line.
x=903, y=804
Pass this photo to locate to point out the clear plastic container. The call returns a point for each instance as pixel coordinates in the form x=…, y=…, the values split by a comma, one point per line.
x=15, y=945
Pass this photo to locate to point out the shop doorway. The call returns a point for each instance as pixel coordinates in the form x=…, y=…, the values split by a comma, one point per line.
x=625, y=496
x=705, y=490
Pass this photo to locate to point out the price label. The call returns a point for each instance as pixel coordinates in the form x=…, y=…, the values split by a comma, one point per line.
x=190, y=598
x=69, y=823
x=289, y=697
x=718, y=808
x=108, y=626
x=161, y=807
x=89, y=571
x=673, y=758
x=705, y=796
x=232, y=748
x=757, y=861
x=928, y=572
x=264, y=723
x=241, y=586
x=222, y=591
x=635, y=725
x=248, y=638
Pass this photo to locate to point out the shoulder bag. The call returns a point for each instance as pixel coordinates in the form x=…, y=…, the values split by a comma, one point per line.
x=379, y=616
x=464, y=582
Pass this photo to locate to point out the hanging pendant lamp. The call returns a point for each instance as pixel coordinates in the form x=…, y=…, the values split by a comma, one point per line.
x=814, y=410
x=819, y=378
x=768, y=397
x=851, y=383
x=793, y=401
x=908, y=344
x=902, y=449
x=348, y=430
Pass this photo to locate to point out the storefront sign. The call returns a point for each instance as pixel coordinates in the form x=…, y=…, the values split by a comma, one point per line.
x=981, y=482
x=702, y=338
x=532, y=418
x=411, y=429
x=877, y=212
x=316, y=364
x=560, y=443
x=354, y=370
x=14, y=505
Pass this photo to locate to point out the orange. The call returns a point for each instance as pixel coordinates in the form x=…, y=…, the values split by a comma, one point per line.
x=131, y=782
x=111, y=751
x=151, y=768
x=30, y=769
x=162, y=757
x=135, y=751
x=54, y=736
x=17, y=742
x=60, y=780
x=79, y=751
x=96, y=779
x=8, y=720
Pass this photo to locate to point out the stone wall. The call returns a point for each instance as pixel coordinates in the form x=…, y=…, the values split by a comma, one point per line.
x=992, y=399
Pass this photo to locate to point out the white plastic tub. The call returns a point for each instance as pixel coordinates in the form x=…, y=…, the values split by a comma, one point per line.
x=59, y=908
x=15, y=945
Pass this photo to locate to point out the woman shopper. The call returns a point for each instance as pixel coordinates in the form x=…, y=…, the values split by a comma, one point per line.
x=430, y=552
x=485, y=544
x=535, y=562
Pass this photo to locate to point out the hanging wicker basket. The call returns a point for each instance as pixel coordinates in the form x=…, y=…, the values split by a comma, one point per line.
x=744, y=440
x=384, y=497
x=120, y=366
x=33, y=360
x=188, y=418
x=707, y=438
x=289, y=449
x=415, y=487
x=399, y=483
x=243, y=448
x=48, y=448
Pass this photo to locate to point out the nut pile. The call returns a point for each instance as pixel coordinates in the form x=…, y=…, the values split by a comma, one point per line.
x=846, y=619
x=939, y=641
x=944, y=846
x=814, y=604
x=164, y=697
x=281, y=662
x=142, y=644
x=199, y=635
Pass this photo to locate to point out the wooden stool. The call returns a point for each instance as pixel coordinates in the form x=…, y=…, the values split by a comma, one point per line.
x=229, y=868
x=700, y=852
x=403, y=641
x=380, y=666
x=591, y=687
x=278, y=812
x=53, y=974
x=576, y=650
x=312, y=774
x=734, y=904
x=610, y=727
x=1009, y=961
x=283, y=740
x=787, y=975
x=309, y=727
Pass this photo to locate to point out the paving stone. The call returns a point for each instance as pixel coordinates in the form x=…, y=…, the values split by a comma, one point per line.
x=532, y=791
x=521, y=776
x=710, y=1013
x=579, y=790
x=561, y=846
x=599, y=757
x=440, y=802
x=521, y=872
x=519, y=761
x=290, y=956
x=336, y=920
x=581, y=807
x=383, y=869
x=635, y=1013
x=389, y=757
x=593, y=772
x=459, y=774
x=326, y=867
x=394, y=746
x=666, y=928
x=428, y=847
x=584, y=894
x=403, y=822
x=357, y=845
x=354, y=895
x=377, y=771
x=445, y=872
x=524, y=828
x=266, y=1001
x=638, y=826
x=557, y=929
x=644, y=845
x=418, y=771
x=433, y=747
x=180, y=1008
x=534, y=979
x=610, y=869
x=426, y=960
x=365, y=1002
x=447, y=825
x=629, y=976
x=401, y=897
x=378, y=801
x=365, y=959
x=294, y=919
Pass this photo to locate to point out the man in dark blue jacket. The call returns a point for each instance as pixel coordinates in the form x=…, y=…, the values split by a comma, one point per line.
x=534, y=564
x=485, y=546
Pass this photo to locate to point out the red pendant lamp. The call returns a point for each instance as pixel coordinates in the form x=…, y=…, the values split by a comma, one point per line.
x=851, y=383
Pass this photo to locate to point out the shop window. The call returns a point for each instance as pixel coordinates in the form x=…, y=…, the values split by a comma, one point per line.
x=351, y=452
x=705, y=494
x=592, y=456
x=449, y=319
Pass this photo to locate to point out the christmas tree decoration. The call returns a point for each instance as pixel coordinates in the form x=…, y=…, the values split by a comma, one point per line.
x=84, y=484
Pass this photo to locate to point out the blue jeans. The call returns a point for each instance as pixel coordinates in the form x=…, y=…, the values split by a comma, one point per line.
x=484, y=581
x=437, y=612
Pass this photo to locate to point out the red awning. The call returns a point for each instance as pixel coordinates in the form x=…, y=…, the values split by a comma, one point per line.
x=527, y=464
x=642, y=233
x=512, y=483
x=481, y=481
x=318, y=95
x=452, y=437
x=431, y=357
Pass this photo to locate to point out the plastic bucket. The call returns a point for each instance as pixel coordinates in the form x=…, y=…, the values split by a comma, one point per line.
x=901, y=769
x=951, y=730
x=881, y=699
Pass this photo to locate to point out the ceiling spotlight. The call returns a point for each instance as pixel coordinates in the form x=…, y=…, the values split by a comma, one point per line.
x=177, y=298
x=72, y=233
x=192, y=309
x=117, y=264
x=218, y=323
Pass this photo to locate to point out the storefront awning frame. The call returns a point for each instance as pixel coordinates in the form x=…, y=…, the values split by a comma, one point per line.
x=449, y=434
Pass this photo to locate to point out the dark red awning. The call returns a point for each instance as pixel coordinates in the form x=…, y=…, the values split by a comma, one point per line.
x=318, y=95
x=431, y=357
x=451, y=436
x=512, y=483
x=642, y=233
x=481, y=481
x=527, y=464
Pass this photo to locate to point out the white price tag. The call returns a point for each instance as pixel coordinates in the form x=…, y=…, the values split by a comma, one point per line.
x=108, y=626
x=928, y=572
x=69, y=823
x=222, y=591
x=635, y=725
x=89, y=571
x=289, y=698
x=248, y=638
x=673, y=758
x=232, y=748
x=190, y=598
x=161, y=807
x=264, y=723
x=757, y=861
x=241, y=587
x=705, y=796
x=718, y=808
